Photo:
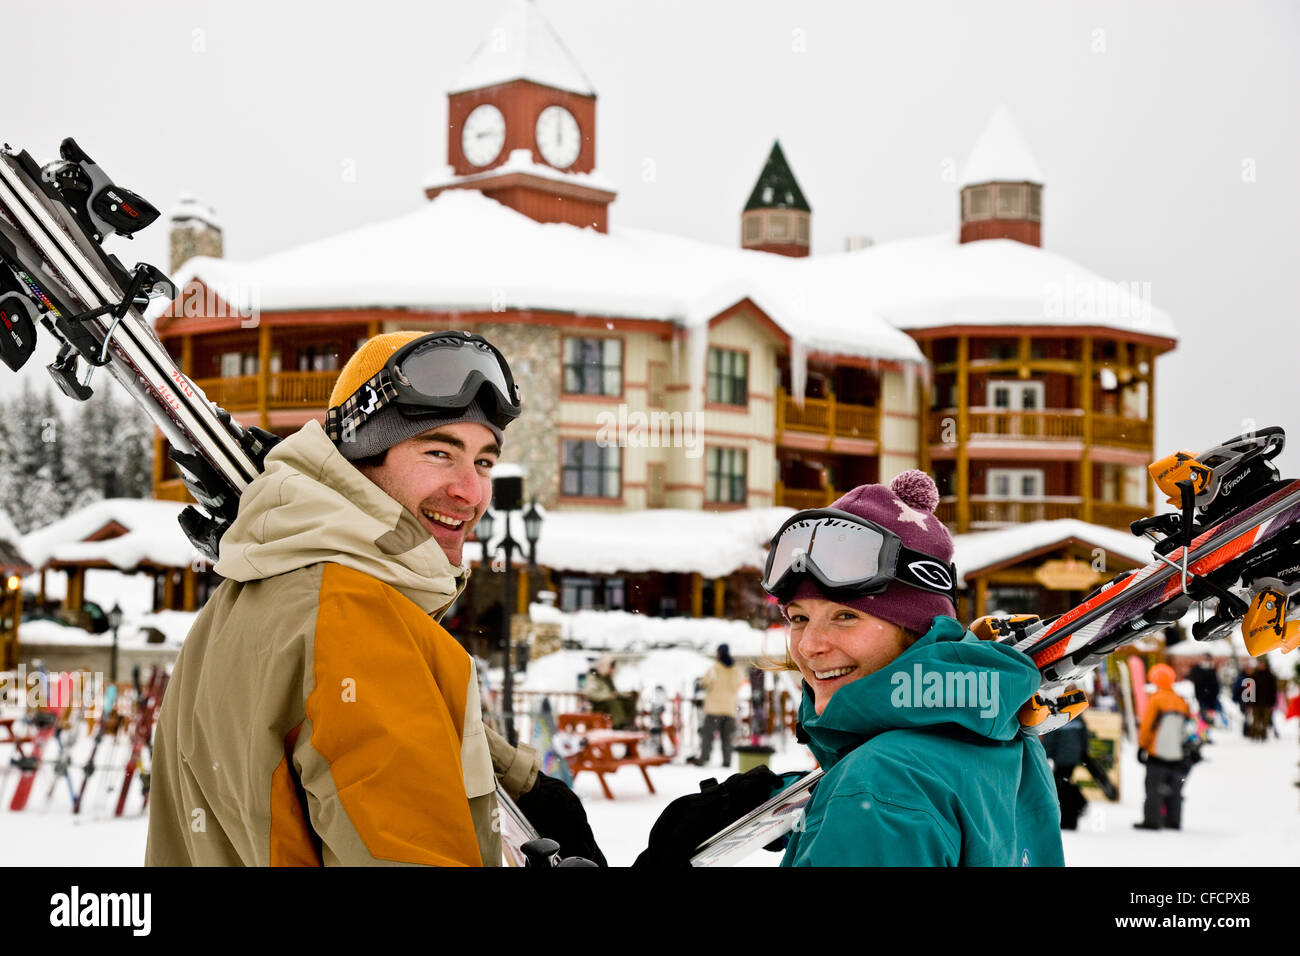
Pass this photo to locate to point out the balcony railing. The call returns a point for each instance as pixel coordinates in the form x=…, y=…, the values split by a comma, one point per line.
x=827, y=416
x=990, y=512
x=284, y=390
x=801, y=498
x=1053, y=424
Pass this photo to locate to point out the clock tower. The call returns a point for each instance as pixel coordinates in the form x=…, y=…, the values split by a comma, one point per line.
x=522, y=126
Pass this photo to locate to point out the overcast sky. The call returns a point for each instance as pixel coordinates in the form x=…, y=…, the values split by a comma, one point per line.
x=1166, y=131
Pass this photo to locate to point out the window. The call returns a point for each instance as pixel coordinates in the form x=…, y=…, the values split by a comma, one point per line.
x=593, y=366
x=778, y=226
x=1035, y=203
x=1015, y=482
x=979, y=203
x=234, y=364
x=728, y=377
x=801, y=226
x=1016, y=396
x=1009, y=201
x=724, y=477
x=577, y=594
x=590, y=470
x=657, y=373
x=753, y=229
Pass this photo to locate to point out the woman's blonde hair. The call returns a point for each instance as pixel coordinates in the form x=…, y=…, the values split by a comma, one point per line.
x=767, y=662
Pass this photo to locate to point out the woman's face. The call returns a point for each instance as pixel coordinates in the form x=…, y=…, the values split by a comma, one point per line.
x=834, y=645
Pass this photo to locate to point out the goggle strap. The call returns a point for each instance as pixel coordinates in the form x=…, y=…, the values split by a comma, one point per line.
x=361, y=405
x=926, y=572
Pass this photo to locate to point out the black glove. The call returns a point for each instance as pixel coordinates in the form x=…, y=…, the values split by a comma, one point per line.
x=556, y=813
x=689, y=821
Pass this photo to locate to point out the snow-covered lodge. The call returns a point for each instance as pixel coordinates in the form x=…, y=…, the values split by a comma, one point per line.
x=664, y=377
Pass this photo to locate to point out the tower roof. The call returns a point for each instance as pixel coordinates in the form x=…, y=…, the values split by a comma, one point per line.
x=776, y=187
x=1000, y=154
x=523, y=46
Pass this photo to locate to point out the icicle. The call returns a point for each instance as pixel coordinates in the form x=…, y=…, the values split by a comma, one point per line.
x=798, y=371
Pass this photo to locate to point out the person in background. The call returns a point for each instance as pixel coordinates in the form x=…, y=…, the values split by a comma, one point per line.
x=1205, y=680
x=722, y=683
x=1260, y=711
x=1243, y=693
x=1161, y=747
x=605, y=698
x=1066, y=748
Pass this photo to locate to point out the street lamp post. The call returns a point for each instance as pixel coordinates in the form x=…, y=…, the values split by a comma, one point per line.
x=114, y=621
x=507, y=498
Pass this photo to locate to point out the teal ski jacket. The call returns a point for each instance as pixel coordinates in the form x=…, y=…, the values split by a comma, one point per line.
x=926, y=764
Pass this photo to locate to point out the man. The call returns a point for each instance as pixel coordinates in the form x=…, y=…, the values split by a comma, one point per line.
x=318, y=713
x=1205, y=682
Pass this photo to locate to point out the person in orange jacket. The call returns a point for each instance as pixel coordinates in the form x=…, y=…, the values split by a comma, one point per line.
x=1160, y=747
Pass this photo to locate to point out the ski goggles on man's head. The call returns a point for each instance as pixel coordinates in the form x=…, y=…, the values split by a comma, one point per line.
x=438, y=372
x=849, y=557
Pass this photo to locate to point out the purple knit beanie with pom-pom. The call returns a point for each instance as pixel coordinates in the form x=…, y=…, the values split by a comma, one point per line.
x=906, y=507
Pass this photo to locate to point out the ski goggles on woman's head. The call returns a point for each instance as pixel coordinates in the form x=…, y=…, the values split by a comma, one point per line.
x=439, y=372
x=849, y=557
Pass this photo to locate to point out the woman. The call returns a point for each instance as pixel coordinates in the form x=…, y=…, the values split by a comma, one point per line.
x=913, y=719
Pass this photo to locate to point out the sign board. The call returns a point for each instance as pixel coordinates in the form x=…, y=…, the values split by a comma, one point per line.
x=1070, y=574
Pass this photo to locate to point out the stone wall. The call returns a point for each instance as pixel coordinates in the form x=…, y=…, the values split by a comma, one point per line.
x=533, y=352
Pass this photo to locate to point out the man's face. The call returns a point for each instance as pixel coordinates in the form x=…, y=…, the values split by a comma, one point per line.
x=443, y=477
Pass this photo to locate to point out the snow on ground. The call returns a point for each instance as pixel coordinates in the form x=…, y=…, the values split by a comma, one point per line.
x=1241, y=809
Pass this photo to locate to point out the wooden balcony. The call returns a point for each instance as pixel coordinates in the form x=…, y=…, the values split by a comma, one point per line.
x=827, y=416
x=987, y=512
x=284, y=390
x=1049, y=425
x=801, y=498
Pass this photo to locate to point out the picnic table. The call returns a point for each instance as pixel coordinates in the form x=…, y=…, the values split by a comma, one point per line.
x=605, y=750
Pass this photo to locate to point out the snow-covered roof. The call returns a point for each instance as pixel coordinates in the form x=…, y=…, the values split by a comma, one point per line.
x=152, y=534
x=1000, y=154
x=976, y=551
x=522, y=45
x=464, y=251
x=669, y=540
x=188, y=207
x=519, y=161
x=936, y=281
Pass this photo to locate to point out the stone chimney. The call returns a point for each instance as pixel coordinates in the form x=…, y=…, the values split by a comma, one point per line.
x=195, y=232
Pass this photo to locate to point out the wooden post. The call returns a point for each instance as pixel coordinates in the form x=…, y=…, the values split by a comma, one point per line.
x=1151, y=420
x=187, y=355
x=923, y=411
x=1024, y=356
x=263, y=373
x=963, y=426
x=697, y=594
x=981, y=597
x=190, y=588
x=780, y=412
x=169, y=590
x=372, y=328
x=719, y=596
x=830, y=417
x=40, y=595
x=1085, y=460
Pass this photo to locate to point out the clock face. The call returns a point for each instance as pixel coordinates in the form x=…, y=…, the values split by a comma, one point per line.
x=483, y=135
x=558, y=137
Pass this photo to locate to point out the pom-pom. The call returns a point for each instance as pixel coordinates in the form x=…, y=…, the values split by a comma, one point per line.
x=917, y=490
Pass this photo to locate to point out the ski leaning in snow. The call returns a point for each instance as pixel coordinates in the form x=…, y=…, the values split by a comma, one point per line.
x=1235, y=542
x=53, y=220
